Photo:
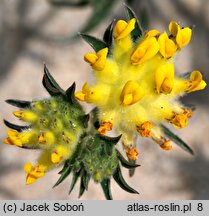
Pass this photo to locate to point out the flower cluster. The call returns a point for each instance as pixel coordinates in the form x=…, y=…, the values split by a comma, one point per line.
x=136, y=87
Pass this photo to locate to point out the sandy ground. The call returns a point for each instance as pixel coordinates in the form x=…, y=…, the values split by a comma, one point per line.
x=24, y=31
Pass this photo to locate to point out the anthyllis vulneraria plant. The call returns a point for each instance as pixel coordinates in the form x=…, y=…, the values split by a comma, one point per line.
x=136, y=91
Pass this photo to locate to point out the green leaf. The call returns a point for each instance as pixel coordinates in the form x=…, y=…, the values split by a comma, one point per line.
x=19, y=103
x=63, y=176
x=70, y=94
x=132, y=171
x=105, y=184
x=108, y=143
x=66, y=165
x=110, y=140
x=121, y=182
x=176, y=140
x=16, y=127
x=74, y=180
x=137, y=32
x=125, y=163
x=95, y=43
x=85, y=177
x=50, y=84
x=108, y=35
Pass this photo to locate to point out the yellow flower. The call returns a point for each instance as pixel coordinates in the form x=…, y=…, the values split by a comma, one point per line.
x=60, y=153
x=123, y=29
x=26, y=115
x=98, y=60
x=131, y=93
x=34, y=172
x=20, y=139
x=182, y=35
x=145, y=51
x=87, y=94
x=196, y=82
x=164, y=78
x=167, y=46
x=46, y=138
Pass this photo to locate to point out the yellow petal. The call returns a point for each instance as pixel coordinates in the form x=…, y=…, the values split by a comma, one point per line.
x=147, y=49
x=90, y=58
x=167, y=46
x=55, y=158
x=164, y=78
x=28, y=167
x=98, y=60
x=46, y=138
x=30, y=179
x=196, y=82
x=26, y=115
x=173, y=28
x=13, y=137
x=153, y=33
x=183, y=37
x=18, y=114
x=80, y=96
x=131, y=93
x=60, y=153
x=101, y=61
x=123, y=29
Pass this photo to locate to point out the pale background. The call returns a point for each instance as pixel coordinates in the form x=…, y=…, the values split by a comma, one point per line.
x=25, y=31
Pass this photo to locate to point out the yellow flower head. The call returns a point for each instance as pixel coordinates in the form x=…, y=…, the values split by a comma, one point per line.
x=137, y=91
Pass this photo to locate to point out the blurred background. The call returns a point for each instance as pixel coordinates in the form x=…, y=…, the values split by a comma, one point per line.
x=37, y=31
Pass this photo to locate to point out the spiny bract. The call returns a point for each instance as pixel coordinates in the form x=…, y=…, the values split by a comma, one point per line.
x=66, y=135
x=136, y=88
